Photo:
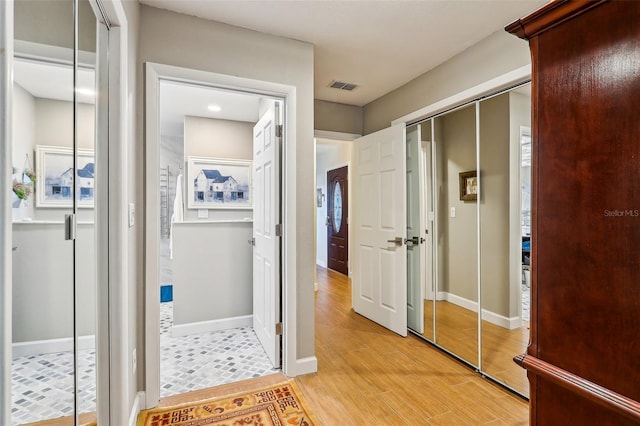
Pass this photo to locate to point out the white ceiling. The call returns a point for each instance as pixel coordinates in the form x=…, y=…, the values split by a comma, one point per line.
x=379, y=45
x=179, y=99
x=53, y=81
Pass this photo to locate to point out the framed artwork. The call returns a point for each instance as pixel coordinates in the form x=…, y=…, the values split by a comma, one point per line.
x=54, y=177
x=216, y=183
x=469, y=186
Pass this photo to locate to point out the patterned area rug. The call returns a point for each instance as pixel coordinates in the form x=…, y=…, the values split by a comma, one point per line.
x=276, y=405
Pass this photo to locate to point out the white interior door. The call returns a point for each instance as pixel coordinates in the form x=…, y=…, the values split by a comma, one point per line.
x=380, y=264
x=415, y=232
x=266, y=250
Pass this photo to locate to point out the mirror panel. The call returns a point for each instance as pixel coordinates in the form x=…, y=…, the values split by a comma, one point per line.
x=51, y=372
x=505, y=332
x=457, y=234
x=427, y=213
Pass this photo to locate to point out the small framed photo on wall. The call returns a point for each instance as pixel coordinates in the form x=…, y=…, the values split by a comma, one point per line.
x=216, y=183
x=469, y=186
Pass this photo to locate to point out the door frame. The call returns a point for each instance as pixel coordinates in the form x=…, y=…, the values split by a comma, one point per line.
x=154, y=72
x=6, y=102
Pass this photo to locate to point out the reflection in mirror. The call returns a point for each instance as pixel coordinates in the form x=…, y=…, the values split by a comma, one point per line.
x=428, y=154
x=457, y=235
x=44, y=370
x=505, y=326
x=415, y=260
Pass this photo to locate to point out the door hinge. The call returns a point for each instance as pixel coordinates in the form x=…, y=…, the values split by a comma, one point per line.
x=279, y=329
x=70, y=226
x=279, y=130
x=279, y=230
x=252, y=241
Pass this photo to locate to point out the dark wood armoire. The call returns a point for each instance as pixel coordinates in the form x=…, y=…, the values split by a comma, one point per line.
x=583, y=361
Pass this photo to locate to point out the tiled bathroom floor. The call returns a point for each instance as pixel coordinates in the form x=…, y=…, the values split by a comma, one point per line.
x=42, y=385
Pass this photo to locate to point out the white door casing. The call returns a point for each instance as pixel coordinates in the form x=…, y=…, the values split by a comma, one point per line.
x=379, y=193
x=266, y=251
x=415, y=259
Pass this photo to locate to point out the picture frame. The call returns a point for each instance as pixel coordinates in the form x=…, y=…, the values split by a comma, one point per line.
x=54, y=177
x=469, y=186
x=219, y=183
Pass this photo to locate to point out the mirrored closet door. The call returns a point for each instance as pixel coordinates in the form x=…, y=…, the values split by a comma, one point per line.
x=59, y=123
x=470, y=196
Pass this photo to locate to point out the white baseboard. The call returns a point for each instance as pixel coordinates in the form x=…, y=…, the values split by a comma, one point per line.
x=321, y=263
x=37, y=347
x=138, y=403
x=213, y=325
x=302, y=366
x=494, y=318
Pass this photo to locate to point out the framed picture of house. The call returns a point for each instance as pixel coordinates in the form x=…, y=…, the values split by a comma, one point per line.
x=54, y=177
x=217, y=183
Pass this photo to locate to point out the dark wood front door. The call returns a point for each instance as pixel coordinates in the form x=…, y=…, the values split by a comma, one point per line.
x=337, y=227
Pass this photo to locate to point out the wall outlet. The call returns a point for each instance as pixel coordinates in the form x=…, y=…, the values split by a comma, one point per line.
x=132, y=214
x=134, y=361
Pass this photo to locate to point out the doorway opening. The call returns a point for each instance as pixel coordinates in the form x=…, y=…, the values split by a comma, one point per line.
x=219, y=151
x=333, y=198
x=208, y=195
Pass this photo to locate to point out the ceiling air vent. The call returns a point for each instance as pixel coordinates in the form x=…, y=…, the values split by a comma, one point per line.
x=342, y=85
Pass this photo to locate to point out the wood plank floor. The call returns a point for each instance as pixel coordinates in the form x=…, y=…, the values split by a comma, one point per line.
x=370, y=376
x=457, y=331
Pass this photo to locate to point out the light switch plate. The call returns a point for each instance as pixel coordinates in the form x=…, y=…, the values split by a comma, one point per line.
x=132, y=215
x=203, y=214
x=453, y=212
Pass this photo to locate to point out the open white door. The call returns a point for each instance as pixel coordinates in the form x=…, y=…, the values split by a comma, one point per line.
x=266, y=216
x=380, y=254
x=415, y=232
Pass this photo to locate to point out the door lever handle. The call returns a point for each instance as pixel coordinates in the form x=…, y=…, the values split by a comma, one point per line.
x=398, y=241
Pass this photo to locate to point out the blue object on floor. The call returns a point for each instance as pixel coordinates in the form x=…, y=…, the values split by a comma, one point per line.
x=166, y=293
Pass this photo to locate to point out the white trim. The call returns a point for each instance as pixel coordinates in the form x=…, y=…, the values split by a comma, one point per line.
x=519, y=75
x=153, y=73
x=6, y=253
x=138, y=403
x=65, y=344
x=211, y=325
x=306, y=365
x=120, y=136
x=338, y=136
x=492, y=317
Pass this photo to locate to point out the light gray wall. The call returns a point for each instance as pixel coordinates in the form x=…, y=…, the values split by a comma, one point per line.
x=24, y=117
x=54, y=123
x=208, y=137
x=337, y=117
x=495, y=55
x=457, y=144
x=332, y=156
x=213, y=271
x=494, y=205
x=180, y=40
x=43, y=282
x=133, y=288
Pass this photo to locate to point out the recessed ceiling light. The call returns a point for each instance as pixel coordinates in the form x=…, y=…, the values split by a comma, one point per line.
x=214, y=108
x=86, y=91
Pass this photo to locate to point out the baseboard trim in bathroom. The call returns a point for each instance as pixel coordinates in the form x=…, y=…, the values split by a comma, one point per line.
x=39, y=347
x=213, y=325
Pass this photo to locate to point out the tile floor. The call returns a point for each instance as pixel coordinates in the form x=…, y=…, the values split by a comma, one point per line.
x=42, y=385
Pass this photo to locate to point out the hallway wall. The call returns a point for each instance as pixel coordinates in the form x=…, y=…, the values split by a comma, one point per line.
x=215, y=47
